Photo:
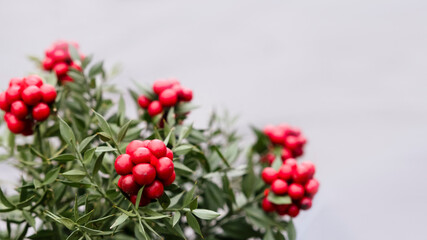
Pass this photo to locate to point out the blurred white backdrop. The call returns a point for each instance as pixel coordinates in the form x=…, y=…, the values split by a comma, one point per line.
x=351, y=74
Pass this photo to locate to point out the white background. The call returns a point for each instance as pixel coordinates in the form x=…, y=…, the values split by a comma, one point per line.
x=351, y=74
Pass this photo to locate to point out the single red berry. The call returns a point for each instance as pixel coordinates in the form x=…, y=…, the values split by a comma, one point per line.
x=311, y=187
x=302, y=140
x=187, y=94
x=293, y=210
x=157, y=148
x=164, y=168
x=269, y=175
x=119, y=183
x=128, y=185
x=16, y=81
x=65, y=78
x=32, y=95
x=41, y=112
x=76, y=66
x=142, y=202
x=123, y=164
x=296, y=191
x=266, y=192
x=306, y=203
x=14, y=124
x=48, y=63
x=49, y=51
x=292, y=163
x=285, y=172
x=277, y=136
x=268, y=130
x=279, y=187
x=13, y=93
x=48, y=93
x=269, y=158
x=141, y=155
x=170, y=180
x=267, y=205
x=169, y=154
x=19, y=109
x=33, y=80
x=154, y=190
x=132, y=146
x=4, y=105
x=301, y=175
x=294, y=131
x=178, y=90
x=311, y=168
x=6, y=116
x=168, y=98
x=155, y=108
x=143, y=101
x=160, y=85
x=144, y=173
x=292, y=142
x=61, y=69
x=286, y=154
x=60, y=56
x=153, y=160
x=282, y=209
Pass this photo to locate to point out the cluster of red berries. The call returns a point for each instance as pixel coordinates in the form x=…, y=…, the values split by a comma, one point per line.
x=168, y=93
x=25, y=101
x=58, y=59
x=294, y=180
x=289, y=138
x=146, y=163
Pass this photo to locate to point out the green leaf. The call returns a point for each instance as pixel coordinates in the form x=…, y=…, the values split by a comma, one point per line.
x=279, y=200
x=103, y=149
x=66, y=133
x=4, y=200
x=51, y=176
x=123, y=131
x=183, y=149
x=103, y=124
x=175, y=199
x=30, y=219
x=121, y=219
x=194, y=224
x=138, y=197
x=268, y=235
x=86, y=142
x=249, y=179
x=96, y=69
x=85, y=218
x=74, y=175
x=290, y=229
x=185, y=132
x=166, y=141
x=205, y=214
x=277, y=163
x=221, y=156
x=64, y=158
x=74, y=53
x=164, y=201
x=175, y=218
x=182, y=167
x=193, y=204
x=189, y=196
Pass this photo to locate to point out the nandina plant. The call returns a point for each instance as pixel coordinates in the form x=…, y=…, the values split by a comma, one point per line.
x=91, y=172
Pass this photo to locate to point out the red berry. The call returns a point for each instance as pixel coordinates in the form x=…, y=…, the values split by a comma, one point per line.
x=296, y=191
x=170, y=180
x=311, y=187
x=311, y=168
x=286, y=154
x=293, y=210
x=48, y=93
x=145, y=143
x=292, y=163
x=60, y=56
x=269, y=158
x=305, y=203
x=187, y=94
x=268, y=130
x=154, y=190
x=267, y=205
x=128, y=185
x=178, y=90
x=119, y=183
x=141, y=155
x=32, y=95
x=16, y=81
x=132, y=146
x=277, y=136
x=14, y=124
x=157, y=148
x=168, y=98
x=160, y=85
x=65, y=78
x=282, y=209
x=285, y=172
x=143, y=101
x=169, y=154
x=292, y=142
x=123, y=164
x=41, y=112
x=301, y=175
x=33, y=80
x=76, y=66
x=266, y=192
x=164, y=168
x=153, y=160
x=61, y=69
x=4, y=105
x=142, y=202
x=19, y=109
x=269, y=175
x=28, y=129
x=155, y=108
x=48, y=63
x=13, y=93
x=144, y=173
x=279, y=187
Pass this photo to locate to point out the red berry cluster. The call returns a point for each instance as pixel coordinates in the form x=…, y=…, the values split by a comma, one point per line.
x=146, y=163
x=168, y=93
x=25, y=101
x=58, y=59
x=289, y=138
x=295, y=180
